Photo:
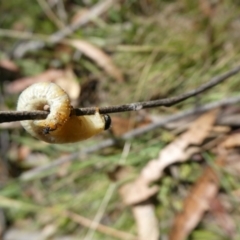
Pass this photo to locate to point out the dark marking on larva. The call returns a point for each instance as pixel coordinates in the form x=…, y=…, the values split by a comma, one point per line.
x=47, y=130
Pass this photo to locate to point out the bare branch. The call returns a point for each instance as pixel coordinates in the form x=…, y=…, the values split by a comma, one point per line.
x=10, y=116
x=13, y=116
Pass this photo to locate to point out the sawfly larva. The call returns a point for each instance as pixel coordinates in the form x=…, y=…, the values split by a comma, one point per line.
x=59, y=126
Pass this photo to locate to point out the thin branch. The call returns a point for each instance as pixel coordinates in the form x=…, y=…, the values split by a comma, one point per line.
x=58, y=36
x=36, y=172
x=101, y=228
x=23, y=35
x=9, y=116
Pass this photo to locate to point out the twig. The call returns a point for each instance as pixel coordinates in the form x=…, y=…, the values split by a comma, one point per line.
x=101, y=228
x=23, y=35
x=50, y=14
x=61, y=11
x=93, y=13
x=31, y=174
x=8, y=116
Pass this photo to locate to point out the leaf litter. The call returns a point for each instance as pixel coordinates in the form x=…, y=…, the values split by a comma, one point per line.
x=204, y=193
x=98, y=56
x=211, y=52
x=138, y=193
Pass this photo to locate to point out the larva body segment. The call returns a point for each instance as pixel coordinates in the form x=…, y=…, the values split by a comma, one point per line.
x=80, y=128
x=59, y=126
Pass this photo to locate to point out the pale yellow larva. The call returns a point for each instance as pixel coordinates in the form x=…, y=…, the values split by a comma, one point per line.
x=59, y=126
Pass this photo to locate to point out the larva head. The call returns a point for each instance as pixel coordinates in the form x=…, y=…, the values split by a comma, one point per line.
x=108, y=122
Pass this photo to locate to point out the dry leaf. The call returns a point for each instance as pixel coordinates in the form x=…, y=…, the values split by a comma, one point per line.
x=138, y=192
x=200, y=200
x=195, y=205
x=148, y=229
x=144, y=213
x=221, y=129
x=64, y=78
x=201, y=128
x=231, y=141
x=222, y=217
x=9, y=65
x=98, y=56
x=177, y=151
x=22, y=83
x=70, y=85
x=135, y=192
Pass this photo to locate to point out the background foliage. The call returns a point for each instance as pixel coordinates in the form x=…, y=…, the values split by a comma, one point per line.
x=163, y=49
